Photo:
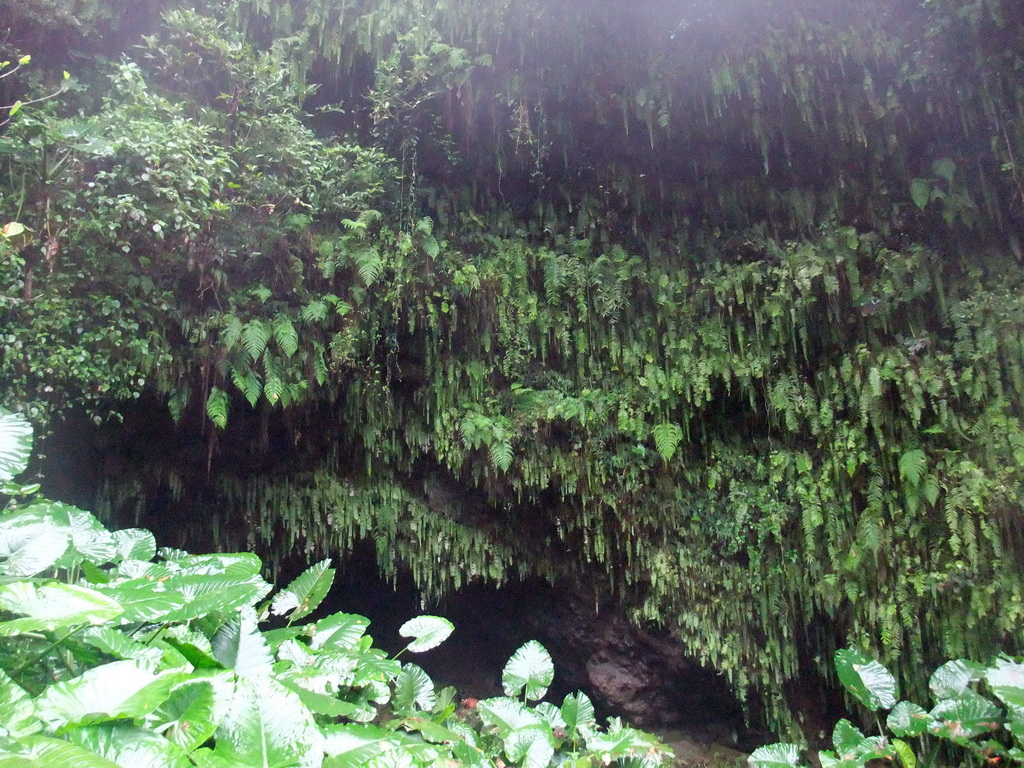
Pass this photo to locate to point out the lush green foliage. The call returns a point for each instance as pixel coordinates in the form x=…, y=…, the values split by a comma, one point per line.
x=982, y=732
x=112, y=653
x=729, y=314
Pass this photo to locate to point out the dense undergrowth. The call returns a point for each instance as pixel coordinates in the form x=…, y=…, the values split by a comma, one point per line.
x=114, y=653
x=726, y=312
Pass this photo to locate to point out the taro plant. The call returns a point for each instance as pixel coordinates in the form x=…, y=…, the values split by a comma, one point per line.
x=115, y=653
x=964, y=717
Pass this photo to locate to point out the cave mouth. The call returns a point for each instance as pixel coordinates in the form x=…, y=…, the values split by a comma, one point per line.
x=637, y=673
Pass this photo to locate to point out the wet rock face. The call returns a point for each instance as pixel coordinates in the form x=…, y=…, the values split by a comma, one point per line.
x=638, y=674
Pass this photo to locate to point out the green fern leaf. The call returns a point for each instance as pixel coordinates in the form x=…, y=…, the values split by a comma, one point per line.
x=425, y=226
x=255, y=338
x=248, y=383
x=500, y=453
x=320, y=372
x=913, y=464
x=314, y=312
x=285, y=335
x=217, y=407
x=231, y=333
x=369, y=264
x=667, y=437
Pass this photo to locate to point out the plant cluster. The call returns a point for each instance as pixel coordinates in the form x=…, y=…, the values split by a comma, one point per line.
x=115, y=654
x=973, y=728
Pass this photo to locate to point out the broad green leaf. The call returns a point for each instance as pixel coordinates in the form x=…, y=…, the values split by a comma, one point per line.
x=318, y=702
x=871, y=683
x=31, y=549
x=190, y=714
x=907, y=719
x=219, y=593
x=90, y=540
x=921, y=192
x=305, y=593
x=17, y=712
x=129, y=746
x=964, y=717
x=531, y=668
x=775, y=756
x=620, y=740
x=530, y=747
x=107, y=692
x=143, y=599
x=53, y=605
x=413, y=687
x=15, y=443
x=846, y=736
x=339, y=630
x=578, y=712
x=944, y=168
x=551, y=714
x=120, y=645
x=1006, y=679
x=953, y=677
x=506, y=715
x=134, y=544
x=354, y=746
x=239, y=644
x=266, y=725
x=427, y=632
x=57, y=753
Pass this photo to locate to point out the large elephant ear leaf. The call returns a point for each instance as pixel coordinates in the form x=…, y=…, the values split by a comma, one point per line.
x=953, y=677
x=871, y=683
x=15, y=445
x=1006, y=679
x=775, y=756
x=303, y=595
x=531, y=668
x=427, y=632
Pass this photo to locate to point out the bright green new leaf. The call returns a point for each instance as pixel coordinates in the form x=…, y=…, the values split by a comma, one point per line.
x=578, y=712
x=427, y=632
x=53, y=605
x=531, y=668
x=305, y=593
x=506, y=715
x=871, y=683
x=907, y=757
x=667, y=437
x=143, y=599
x=921, y=192
x=15, y=444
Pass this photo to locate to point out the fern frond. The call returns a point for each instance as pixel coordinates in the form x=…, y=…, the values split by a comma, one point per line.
x=285, y=335
x=231, y=334
x=314, y=312
x=217, y=407
x=913, y=464
x=369, y=264
x=255, y=337
x=667, y=437
x=500, y=454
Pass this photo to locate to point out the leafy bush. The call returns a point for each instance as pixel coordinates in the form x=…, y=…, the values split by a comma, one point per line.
x=962, y=716
x=115, y=653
